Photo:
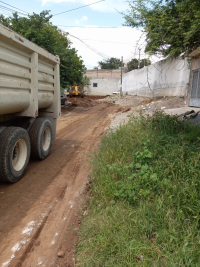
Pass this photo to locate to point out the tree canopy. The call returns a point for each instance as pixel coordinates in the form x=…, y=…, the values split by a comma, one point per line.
x=38, y=29
x=172, y=27
x=134, y=63
x=110, y=63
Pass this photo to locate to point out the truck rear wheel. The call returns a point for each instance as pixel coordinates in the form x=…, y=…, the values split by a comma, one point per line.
x=14, y=154
x=41, y=138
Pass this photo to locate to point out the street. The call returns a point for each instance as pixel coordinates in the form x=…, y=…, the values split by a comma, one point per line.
x=37, y=211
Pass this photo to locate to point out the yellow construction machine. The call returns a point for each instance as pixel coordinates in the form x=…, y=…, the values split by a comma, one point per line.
x=76, y=91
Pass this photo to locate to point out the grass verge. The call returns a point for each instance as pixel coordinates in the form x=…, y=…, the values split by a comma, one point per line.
x=145, y=204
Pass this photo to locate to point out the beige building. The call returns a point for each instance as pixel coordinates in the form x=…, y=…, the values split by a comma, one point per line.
x=99, y=73
x=104, y=82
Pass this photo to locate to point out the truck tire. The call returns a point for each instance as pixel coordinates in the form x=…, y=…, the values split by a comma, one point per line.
x=70, y=94
x=14, y=154
x=41, y=138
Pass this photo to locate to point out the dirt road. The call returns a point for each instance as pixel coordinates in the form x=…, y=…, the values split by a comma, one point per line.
x=36, y=212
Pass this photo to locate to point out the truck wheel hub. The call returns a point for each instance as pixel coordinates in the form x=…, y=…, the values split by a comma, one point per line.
x=19, y=155
x=46, y=139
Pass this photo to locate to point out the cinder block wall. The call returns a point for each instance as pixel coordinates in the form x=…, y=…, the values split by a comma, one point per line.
x=170, y=78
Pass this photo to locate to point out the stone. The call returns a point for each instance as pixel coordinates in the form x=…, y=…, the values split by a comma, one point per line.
x=85, y=213
x=61, y=254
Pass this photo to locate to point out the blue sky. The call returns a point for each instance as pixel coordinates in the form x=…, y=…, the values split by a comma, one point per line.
x=110, y=42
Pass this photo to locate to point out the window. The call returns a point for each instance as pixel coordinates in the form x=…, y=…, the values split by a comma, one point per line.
x=94, y=84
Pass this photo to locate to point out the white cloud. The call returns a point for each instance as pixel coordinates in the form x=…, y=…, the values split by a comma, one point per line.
x=44, y=2
x=84, y=18
x=105, y=6
x=111, y=42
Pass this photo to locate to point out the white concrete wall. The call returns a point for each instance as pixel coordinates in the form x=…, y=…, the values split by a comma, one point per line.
x=105, y=86
x=170, y=78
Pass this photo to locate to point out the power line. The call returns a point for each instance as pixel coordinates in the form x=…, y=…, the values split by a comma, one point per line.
x=13, y=7
x=6, y=9
x=11, y=10
x=78, y=8
x=91, y=27
x=93, y=49
x=8, y=14
x=105, y=41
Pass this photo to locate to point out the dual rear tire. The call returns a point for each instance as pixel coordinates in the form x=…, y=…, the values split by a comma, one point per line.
x=41, y=138
x=14, y=154
x=16, y=146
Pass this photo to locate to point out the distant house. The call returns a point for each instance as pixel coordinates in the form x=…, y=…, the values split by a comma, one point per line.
x=103, y=82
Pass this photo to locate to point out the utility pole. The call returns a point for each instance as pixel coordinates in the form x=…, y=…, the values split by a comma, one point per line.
x=139, y=58
x=121, y=76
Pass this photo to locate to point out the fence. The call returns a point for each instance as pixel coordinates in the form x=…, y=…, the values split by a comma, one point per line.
x=170, y=78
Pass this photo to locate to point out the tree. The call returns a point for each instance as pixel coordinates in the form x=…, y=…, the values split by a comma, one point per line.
x=134, y=63
x=85, y=81
x=38, y=29
x=110, y=64
x=71, y=68
x=172, y=27
x=144, y=62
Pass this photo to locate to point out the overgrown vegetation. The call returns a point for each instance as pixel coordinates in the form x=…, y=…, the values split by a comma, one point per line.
x=38, y=29
x=172, y=27
x=145, y=204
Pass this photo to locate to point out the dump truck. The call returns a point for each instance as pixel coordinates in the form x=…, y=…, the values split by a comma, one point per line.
x=76, y=91
x=29, y=103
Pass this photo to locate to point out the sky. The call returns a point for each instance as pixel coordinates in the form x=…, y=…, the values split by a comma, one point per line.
x=96, y=31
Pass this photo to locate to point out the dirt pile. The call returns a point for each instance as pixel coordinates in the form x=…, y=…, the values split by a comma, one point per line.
x=137, y=104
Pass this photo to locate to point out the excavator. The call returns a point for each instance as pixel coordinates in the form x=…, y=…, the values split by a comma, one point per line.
x=76, y=91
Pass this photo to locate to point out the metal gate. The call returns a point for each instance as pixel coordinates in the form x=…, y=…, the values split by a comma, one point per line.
x=195, y=89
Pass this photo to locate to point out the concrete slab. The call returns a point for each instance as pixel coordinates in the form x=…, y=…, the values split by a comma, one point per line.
x=178, y=111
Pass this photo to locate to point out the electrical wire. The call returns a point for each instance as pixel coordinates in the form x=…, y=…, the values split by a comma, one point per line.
x=8, y=14
x=6, y=10
x=13, y=7
x=93, y=49
x=11, y=10
x=78, y=8
x=90, y=27
x=106, y=41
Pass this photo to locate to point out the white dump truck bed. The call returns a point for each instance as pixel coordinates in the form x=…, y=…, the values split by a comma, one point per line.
x=29, y=77
x=29, y=103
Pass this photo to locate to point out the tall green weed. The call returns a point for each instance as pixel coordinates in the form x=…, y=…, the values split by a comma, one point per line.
x=145, y=207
